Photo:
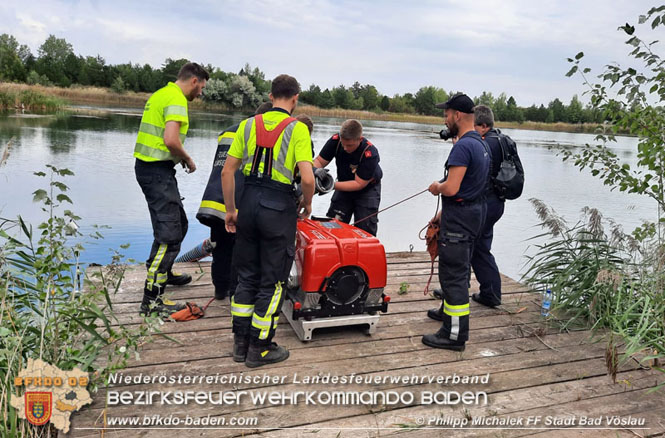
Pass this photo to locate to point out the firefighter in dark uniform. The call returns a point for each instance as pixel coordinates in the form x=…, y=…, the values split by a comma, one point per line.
x=212, y=212
x=482, y=260
x=159, y=147
x=269, y=147
x=358, y=185
x=462, y=216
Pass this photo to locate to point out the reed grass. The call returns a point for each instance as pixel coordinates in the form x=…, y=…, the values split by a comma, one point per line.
x=604, y=279
x=44, y=312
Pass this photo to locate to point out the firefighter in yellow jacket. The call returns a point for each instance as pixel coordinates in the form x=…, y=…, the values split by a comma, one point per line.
x=269, y=147
x=159, y=148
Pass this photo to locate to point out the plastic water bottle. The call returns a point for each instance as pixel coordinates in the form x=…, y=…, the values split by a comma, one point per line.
x=547, y=303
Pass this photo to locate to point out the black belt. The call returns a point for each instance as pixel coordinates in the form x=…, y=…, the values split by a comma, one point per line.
x=461, y=201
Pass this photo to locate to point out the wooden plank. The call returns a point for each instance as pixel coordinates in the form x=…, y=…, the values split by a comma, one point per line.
x=546, y=373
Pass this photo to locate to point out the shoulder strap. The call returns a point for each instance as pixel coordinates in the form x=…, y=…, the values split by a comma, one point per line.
x=265, y=142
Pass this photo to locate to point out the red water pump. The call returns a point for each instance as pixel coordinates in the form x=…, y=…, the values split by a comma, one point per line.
x=337, y=278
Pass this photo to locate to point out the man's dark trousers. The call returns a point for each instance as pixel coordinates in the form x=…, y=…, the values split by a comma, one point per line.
x=224, y=275
x=461, y=223
x=263, y=254
x=482, y=260
x=169, y=221
x=360, y=204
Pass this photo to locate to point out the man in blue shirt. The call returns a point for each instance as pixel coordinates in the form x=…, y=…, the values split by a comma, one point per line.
x=462, y=216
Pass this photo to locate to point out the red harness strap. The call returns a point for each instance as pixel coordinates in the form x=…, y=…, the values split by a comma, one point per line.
x=265, y=142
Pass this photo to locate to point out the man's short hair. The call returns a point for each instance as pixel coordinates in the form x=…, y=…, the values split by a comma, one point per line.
x=192, y=69
x=307, y=120
x=483, y=115
x=351, y=130
x=263, y=108
x=284, y=87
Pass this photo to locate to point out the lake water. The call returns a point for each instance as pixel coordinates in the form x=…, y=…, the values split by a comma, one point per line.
x=98, y=149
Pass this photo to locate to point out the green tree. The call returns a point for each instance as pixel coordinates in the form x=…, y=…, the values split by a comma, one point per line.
x=370, y=96
x=385, y=103
x=12, y=67
x=312, y=95
x=327, y=99
x=574, y=111
x=171, y=68
x=52, y=60
x=343, y=97
x=558, y=110
x=427, y=97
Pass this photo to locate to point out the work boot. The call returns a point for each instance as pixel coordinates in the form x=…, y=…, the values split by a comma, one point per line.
x=259, y=355
x=159, y=306
x=436, y=341
x=481, y=300
x=178, y=279
x=240, y=347
x=438, y=294
x=436, y=314
x=221, y=293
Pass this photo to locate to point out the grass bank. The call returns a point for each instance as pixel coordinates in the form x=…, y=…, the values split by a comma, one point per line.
x=106, y=97
x=16, y=97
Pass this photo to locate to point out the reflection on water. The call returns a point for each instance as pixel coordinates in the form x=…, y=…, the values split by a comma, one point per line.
x=98, y=148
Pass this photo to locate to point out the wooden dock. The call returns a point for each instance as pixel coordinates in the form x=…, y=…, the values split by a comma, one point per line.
x=534, y=371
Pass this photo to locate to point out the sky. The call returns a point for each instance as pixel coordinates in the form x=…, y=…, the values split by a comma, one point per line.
x=512, y=46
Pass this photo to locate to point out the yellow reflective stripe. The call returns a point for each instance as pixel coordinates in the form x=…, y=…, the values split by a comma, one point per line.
x=152, y=154
x=283, y=150
x=214, y=205
x=455, y=309
x=151, y=129
x=241, y=310
x=272, y=308
x=226, y=138
x=154, y=266
x=264, y=323
x=175, y=110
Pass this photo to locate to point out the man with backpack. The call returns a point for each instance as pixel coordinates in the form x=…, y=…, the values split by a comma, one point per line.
x=506, y=181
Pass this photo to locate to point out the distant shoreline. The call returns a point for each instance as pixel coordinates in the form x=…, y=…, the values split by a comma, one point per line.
x=106, y=97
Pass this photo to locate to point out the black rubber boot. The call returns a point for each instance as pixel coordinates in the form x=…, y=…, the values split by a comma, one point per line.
x=481, y=300
x=438, y=293
x=435, y=341
x=259, y=355
x=160, y=306
x=178, y=279
x=240, y=347
x=436, y=314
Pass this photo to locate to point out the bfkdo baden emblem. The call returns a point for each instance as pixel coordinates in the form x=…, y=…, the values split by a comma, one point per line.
x=38, y=407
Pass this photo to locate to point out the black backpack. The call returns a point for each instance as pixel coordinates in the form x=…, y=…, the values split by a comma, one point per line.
x=509, y=182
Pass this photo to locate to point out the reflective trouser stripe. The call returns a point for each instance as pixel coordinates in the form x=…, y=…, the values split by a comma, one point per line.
x=454, y=328
x=264, y=323
x=241, y=310
x=153, y=276
x=455, y=310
